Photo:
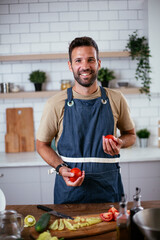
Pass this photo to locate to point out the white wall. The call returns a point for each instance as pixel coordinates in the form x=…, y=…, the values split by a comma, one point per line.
x=46, y=26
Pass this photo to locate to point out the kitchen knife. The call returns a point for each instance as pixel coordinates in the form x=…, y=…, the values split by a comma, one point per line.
x=53, y=212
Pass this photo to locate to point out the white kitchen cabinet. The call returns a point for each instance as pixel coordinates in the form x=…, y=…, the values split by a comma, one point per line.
x=145, y=175
x=47, y=185
x=27, y=185
x=33, y=184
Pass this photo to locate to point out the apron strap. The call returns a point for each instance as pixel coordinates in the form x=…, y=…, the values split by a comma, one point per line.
x=70, y=102
x=70, y=97
x=104, y=98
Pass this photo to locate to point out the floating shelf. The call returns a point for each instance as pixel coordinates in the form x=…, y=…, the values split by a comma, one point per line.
x=47, y=94
x=52, y=56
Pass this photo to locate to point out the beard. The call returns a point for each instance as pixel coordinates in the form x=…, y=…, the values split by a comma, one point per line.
x=85, y=81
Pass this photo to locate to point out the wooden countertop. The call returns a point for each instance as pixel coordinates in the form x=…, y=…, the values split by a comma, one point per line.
x=73, y=210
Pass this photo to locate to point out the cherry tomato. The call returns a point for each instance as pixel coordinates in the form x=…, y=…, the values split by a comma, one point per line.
x=107, y=217
x=111, y=137
x=77, y=173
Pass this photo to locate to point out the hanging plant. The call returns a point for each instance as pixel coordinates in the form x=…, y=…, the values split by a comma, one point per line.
x=139, y=50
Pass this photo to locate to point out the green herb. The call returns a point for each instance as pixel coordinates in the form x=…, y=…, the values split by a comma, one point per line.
x=105, y=75
x=143, y=133
x=139, y=50
x=37, y=76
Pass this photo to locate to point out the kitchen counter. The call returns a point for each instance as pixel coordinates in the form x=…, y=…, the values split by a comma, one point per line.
x=76, y=210
x=131, y=154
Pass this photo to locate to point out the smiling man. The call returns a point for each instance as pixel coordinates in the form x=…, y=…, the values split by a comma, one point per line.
x=79, y=118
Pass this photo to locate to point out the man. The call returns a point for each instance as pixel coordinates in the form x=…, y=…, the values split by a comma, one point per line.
x=79, y=118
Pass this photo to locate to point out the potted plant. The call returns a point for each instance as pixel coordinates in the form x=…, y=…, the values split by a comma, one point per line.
x=105, y=75
x=143, y=135
x=37, y=77
x=139, y=50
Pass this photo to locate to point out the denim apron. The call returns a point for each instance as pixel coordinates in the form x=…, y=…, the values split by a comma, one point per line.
x=80, y=145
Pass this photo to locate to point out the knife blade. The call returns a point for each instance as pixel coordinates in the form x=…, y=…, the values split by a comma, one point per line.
x=53, y=212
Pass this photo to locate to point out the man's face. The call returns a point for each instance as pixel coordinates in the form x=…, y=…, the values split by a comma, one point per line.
x=84, y=65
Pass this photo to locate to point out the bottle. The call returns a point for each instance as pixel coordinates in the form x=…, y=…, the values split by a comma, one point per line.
x=123, y=221
x=135, y=233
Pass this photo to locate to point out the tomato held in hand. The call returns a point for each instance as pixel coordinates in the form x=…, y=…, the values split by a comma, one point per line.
x=77, y=173
x=111, y=137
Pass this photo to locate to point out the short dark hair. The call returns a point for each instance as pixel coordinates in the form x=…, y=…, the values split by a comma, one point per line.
x=82, y=41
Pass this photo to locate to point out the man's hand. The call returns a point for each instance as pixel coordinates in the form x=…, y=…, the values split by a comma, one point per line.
x=112, y=147
x=66, y=174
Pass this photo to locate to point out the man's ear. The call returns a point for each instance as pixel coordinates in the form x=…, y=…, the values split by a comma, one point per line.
x=99, y=64
x=70, y=66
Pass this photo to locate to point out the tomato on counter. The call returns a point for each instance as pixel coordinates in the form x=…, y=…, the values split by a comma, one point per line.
x=77, y=173
x=107, y=217
x=110, y=215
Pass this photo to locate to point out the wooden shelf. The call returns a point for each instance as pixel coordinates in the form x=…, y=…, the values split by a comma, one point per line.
x=47, y=94
x=52, y=56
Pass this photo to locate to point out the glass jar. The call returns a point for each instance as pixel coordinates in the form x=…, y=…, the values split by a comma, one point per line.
x=65, y=84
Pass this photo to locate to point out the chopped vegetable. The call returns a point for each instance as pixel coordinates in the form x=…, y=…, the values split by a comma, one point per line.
x=44, y=236
x=29, y=221
x=54, y=225
x=107, y=217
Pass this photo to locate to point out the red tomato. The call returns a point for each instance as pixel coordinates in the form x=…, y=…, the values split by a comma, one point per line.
x=77, y=173
x=115, y=215
x=111, y=137
x=107, y=217
x=113, y=210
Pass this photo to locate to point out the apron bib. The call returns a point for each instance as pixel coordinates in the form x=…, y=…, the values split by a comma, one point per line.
x=80, y=145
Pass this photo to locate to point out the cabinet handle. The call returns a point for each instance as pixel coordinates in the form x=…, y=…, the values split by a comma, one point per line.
x=1, y=175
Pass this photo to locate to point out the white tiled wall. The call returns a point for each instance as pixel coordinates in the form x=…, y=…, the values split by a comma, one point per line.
x=46, y=26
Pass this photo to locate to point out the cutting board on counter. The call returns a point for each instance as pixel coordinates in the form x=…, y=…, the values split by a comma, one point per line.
x=93, y=230
x=20, y=130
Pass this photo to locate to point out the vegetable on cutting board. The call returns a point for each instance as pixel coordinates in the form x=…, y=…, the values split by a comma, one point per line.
x=29, y=221
x=111, y=215
x=47, y=236
x=43, y=222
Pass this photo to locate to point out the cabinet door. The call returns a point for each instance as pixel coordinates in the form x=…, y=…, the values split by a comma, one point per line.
x=47, y=185
x=145, y=175
x=125, y=179
x=21, y=185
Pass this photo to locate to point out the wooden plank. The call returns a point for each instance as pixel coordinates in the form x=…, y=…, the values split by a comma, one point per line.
x=31, y=57
x=92, y=230
x=19, y=122
x=114, y=54
x=52, y=56
x=46, y=94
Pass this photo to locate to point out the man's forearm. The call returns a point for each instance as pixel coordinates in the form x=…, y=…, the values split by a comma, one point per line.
x=48, y=154
x=128, y=139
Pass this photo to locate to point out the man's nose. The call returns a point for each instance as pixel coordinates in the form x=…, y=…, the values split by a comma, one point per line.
x=85, y=65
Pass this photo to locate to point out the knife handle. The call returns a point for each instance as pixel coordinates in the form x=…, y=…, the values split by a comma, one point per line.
x=44, y=208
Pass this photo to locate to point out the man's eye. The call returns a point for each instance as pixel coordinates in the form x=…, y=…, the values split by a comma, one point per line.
x=91, y=60
x=78, y=60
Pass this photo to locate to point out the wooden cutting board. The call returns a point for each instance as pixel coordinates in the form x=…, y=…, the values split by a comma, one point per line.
x=20, y=130
x=92, y=230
